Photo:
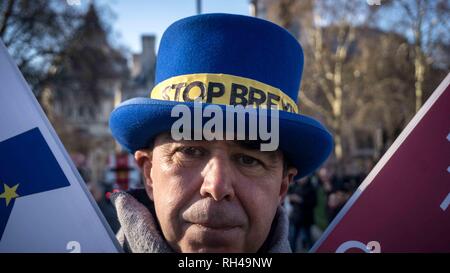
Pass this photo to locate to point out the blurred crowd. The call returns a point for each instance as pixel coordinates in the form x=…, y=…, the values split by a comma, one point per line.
x=314, y=201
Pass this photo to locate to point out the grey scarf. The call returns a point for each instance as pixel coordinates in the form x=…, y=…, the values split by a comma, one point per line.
x=140, y=231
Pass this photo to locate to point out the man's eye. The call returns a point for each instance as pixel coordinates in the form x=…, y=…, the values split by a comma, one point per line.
x=248, y=161
x=191, y=151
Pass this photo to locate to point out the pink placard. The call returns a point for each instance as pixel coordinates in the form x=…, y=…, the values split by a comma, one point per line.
x=403, y=204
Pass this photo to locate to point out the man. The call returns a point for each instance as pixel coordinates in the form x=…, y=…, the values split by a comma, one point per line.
x=220, y=194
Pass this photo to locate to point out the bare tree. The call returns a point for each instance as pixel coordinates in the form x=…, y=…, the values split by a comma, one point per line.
x=33, y=32
x=427, y=24
x=357, y=77
x=331, y=37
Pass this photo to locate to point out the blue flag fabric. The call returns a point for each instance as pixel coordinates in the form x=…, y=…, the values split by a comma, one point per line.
x=27, y=166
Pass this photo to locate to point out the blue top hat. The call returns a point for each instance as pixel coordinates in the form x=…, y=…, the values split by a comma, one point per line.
x=226, y=60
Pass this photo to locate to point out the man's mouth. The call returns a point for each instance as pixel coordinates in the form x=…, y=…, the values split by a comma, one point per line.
x=209, y=216
x=214, y=226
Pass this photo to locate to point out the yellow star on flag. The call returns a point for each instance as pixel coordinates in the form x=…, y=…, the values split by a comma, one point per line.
x=9, y=193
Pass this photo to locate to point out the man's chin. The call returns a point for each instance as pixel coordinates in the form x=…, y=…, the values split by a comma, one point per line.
x=210, y=240
x=216, y=250
x=203, y=248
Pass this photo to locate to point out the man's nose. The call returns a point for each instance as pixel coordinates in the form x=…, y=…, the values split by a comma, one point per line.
x=218, y=179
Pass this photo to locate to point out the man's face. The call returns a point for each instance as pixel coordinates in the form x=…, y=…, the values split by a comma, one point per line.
x=213, y=196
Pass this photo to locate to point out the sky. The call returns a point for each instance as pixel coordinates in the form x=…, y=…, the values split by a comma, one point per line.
x=134, y=18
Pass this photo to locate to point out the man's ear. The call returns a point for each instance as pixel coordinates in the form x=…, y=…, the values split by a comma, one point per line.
x=144, y=161
x=288, y=177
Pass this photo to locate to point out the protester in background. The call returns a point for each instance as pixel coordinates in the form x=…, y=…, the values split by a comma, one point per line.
x=303, y=199
x=335, y=192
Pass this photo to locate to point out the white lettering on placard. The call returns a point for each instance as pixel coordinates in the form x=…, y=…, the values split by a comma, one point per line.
x=73, y=247
x=371, y=247
x=446, y=202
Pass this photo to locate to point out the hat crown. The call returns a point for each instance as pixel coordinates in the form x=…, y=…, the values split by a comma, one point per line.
x=231, y=44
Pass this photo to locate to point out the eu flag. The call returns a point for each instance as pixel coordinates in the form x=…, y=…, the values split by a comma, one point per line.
x=27, y=166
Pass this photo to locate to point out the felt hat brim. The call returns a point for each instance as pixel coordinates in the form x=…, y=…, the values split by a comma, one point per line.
x=303, y=140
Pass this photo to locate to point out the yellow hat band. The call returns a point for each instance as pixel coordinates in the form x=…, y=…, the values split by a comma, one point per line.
x=223, y=89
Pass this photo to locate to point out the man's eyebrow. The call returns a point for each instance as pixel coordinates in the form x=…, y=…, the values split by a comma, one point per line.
x=253, y=145
x=248, y=144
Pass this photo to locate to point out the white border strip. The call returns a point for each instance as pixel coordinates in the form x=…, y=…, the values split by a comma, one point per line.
x=382, y=162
